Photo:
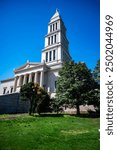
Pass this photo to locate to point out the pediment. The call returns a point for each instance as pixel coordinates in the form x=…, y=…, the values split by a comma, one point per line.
x=27, y=66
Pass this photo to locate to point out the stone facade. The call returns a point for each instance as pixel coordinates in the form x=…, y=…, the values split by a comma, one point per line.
x=54, y=54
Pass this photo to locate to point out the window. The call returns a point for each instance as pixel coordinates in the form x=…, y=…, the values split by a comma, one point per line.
x=11, y=91
x=50, y=28
x=56, y=26
x=54, y=55
x=54, y=38
x=50, y=58
x=4, y=90
x=46, y=56
x=53, y=27
x=49, y=41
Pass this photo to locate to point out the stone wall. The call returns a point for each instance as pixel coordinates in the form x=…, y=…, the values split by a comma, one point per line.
x=12, y=104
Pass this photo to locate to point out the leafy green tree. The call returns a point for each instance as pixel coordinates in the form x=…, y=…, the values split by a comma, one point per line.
x=94, y=99
x=38, y=97
x=74, y=82
x=43, y=101
x=55, y=105
x=27, y=93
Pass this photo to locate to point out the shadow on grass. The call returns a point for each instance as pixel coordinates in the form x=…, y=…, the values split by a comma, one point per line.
x=49, y=115
x=92, y=115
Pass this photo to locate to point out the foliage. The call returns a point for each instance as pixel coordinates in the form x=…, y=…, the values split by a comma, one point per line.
x=93, y=98
x=38, y=97
x=74, y=83
x=28, y=93
x=26, y=132
x=96, y=72
x=55, y=105
x=43, y=101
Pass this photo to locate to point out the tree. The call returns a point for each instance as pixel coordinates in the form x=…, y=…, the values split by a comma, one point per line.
x=94, y=95
x=74, y=82
x=94, y=99
x=27, y=93
x=96, y=72
x=38, y=97
x=43, y=101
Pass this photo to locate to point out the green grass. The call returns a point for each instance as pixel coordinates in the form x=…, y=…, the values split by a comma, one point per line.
x=23, y=132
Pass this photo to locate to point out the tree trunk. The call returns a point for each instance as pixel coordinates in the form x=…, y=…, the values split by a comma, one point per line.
x=30, y=109
x=78, y=109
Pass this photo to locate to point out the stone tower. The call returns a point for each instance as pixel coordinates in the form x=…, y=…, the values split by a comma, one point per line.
x=56, y=43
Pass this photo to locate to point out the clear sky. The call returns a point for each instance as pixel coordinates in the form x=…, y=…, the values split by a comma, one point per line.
x=23, y=25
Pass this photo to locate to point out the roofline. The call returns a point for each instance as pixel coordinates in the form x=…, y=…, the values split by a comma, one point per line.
x=5, y=80
x=39, y=65
x=29, y=63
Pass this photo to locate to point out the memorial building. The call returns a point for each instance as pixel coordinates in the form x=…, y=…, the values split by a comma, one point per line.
x=53, y=56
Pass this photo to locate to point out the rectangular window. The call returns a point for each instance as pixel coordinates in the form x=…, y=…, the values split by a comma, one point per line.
x=11, y=91
x=50, y=58
x=48, y=40
x=56, y=26
x=54, y=38
x=53, y=27
x=4, y=90
x=54, y=54
x=51, y=39
x=46, y=56
x=50, y=28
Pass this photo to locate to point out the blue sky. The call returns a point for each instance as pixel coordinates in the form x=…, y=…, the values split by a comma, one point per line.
x=23, y=25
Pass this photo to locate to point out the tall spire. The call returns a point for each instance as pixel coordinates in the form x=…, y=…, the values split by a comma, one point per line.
x=56, y=15
x=57, y=10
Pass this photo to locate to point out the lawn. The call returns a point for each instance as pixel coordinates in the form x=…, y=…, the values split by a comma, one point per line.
x=24, y=132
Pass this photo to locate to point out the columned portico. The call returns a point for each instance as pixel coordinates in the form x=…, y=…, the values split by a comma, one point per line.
x=36, y=77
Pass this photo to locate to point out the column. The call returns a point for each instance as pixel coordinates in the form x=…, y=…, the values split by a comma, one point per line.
x=19, y=81
x=36, y=77
x=48, y=89
x=24, y=81
x=30, y=77
x=42, y=79
x=15, y=84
